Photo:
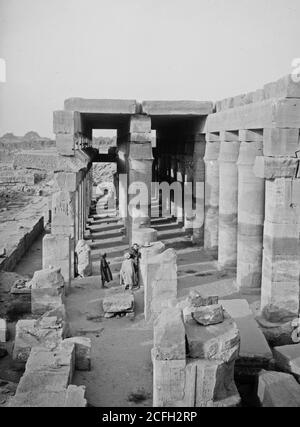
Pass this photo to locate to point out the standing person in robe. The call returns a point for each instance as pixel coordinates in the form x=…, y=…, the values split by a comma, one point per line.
x=127, y=273
x=105, y=272
x=135, y=255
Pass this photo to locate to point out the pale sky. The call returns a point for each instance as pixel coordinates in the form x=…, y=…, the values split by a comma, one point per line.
x=138, y=49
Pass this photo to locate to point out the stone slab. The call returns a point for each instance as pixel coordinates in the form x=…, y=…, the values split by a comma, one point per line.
x=287, y=358
x=119, y=302
x=277, y=390
x=177, y=108
x=101, y=106
x=254, y=349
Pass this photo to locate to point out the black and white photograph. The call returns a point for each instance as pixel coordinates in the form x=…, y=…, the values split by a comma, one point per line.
x=149, y=206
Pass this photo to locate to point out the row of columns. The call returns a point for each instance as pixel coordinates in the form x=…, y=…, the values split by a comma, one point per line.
x=181, y=162
x=234, y=204
x=252, y=206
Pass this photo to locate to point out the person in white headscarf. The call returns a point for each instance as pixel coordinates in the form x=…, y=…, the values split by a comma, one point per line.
x=127, y=273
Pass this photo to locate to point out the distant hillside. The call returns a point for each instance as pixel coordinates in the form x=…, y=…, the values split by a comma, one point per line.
x=11, y=144
x=103, y=143
x=32, y=136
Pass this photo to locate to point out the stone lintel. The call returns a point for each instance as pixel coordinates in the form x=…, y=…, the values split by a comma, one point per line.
x=102, y=106
x=212, y=137
x=275, y=167
x=247, y=135
x=229, y=136
x=281, y=142
x=281, y=113
x=177, y=108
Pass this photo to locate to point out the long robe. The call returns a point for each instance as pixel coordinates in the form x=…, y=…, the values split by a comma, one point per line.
x=105, y=272
x=127, y=273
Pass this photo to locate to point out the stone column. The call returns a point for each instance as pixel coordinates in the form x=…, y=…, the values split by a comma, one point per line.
x=62, y=232
x=211, y=220
x=281, y=267
x=251, y=208
x=199, y=179
x=180, y=178
x=228, y=200
x=188, y=195
x=140, y=161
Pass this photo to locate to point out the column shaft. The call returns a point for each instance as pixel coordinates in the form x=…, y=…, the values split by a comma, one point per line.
x=228, y=203
x=251, y=199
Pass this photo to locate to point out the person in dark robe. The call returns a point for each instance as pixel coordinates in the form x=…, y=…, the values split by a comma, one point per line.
x=105, y=272
x=135, y=255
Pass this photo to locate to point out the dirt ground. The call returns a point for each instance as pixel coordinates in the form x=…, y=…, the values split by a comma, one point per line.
x=121, y=373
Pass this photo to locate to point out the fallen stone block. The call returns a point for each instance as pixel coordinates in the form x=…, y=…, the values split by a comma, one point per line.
x=287, y=358
x=21, y=286
x=47, y=290
x=46, y=378
x=83, y=347
x=169, y=335
x=119, y=302
x=276, y=334
x=216, y=342
x=84, y=261
x=46, y=333
x=254, y=348
x=208, y=315
x=61, y=360
x=75, y=397
x=3, y=330
x=277, y=390
x=197, y=300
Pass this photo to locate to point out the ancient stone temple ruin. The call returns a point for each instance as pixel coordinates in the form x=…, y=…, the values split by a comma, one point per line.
x=218, y=303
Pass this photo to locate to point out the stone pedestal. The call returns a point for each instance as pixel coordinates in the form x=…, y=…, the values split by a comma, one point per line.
x=147, y=252
x=143, y=236
x=193, y=365
x=160, y=283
